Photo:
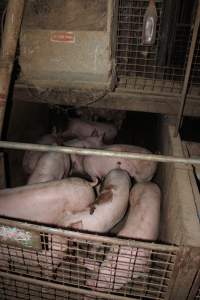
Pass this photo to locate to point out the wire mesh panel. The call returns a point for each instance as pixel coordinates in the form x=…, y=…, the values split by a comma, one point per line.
x=194, y=87
x=198, y=295
x=11, y=289
x=160, y=67
x=112, y=266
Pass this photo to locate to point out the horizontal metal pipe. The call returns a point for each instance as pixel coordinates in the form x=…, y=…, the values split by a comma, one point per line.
x=62, y=287
x=87, y=236
x=107, y=153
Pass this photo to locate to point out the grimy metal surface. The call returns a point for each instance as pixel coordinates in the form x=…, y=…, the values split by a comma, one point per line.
x=198, y=295
x=8, y=48
x=195, y=290
x=20, y=287
x=62, y=264
x=106, y=153
x=69, y=41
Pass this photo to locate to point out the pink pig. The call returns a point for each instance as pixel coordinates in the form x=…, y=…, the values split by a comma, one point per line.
x=124, y=263
x=109, y=207
x=88, y=142
x=31, y=157
x=47, y=202
x=141, y=170
x=50, y=166
x=79, y=128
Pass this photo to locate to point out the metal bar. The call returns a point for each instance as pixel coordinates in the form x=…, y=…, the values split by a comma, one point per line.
x=195, y=287
x=8, y=49
x=86, y=236
x=106, y=153
x=62, y=287
x=2, y=172
x=188, y=69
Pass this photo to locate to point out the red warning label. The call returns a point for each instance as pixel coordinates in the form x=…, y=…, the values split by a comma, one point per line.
x=62, y=37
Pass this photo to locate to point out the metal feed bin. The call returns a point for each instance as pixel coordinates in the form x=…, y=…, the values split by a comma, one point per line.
x=69, y=43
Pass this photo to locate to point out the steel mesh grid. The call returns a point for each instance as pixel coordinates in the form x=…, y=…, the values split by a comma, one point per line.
x=198, y=294
x=11, y=289
x=138, y=67
x=76, y=262
x=194, y=84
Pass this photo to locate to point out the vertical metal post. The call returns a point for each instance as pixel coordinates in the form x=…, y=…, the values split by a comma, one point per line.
x=188, y=69
x=9, y=41
x=2, y=172
x=8, y=50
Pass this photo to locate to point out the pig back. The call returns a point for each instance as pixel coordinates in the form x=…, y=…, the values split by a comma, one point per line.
x=31, y=158
x=144, y=212
x=50, y=166
x=47, y=202
x=141, y=170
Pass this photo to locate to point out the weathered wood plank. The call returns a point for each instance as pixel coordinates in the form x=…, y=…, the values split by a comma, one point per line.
x=120, y=99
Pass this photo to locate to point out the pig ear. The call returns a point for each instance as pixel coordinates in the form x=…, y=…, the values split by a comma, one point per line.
x=95, y=133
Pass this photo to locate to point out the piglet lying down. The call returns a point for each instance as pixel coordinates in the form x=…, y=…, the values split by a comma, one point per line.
x=124, y=263
x=109, y=207
x=47, y=202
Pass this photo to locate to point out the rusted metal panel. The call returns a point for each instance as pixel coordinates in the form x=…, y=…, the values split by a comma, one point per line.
x=2, y=172
x=73, y=15
x=120, y=100
x=70, y=41
x=186, y=270
x=195, y=290
x=8, y=48
x=61, y=261
x=188, y=68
